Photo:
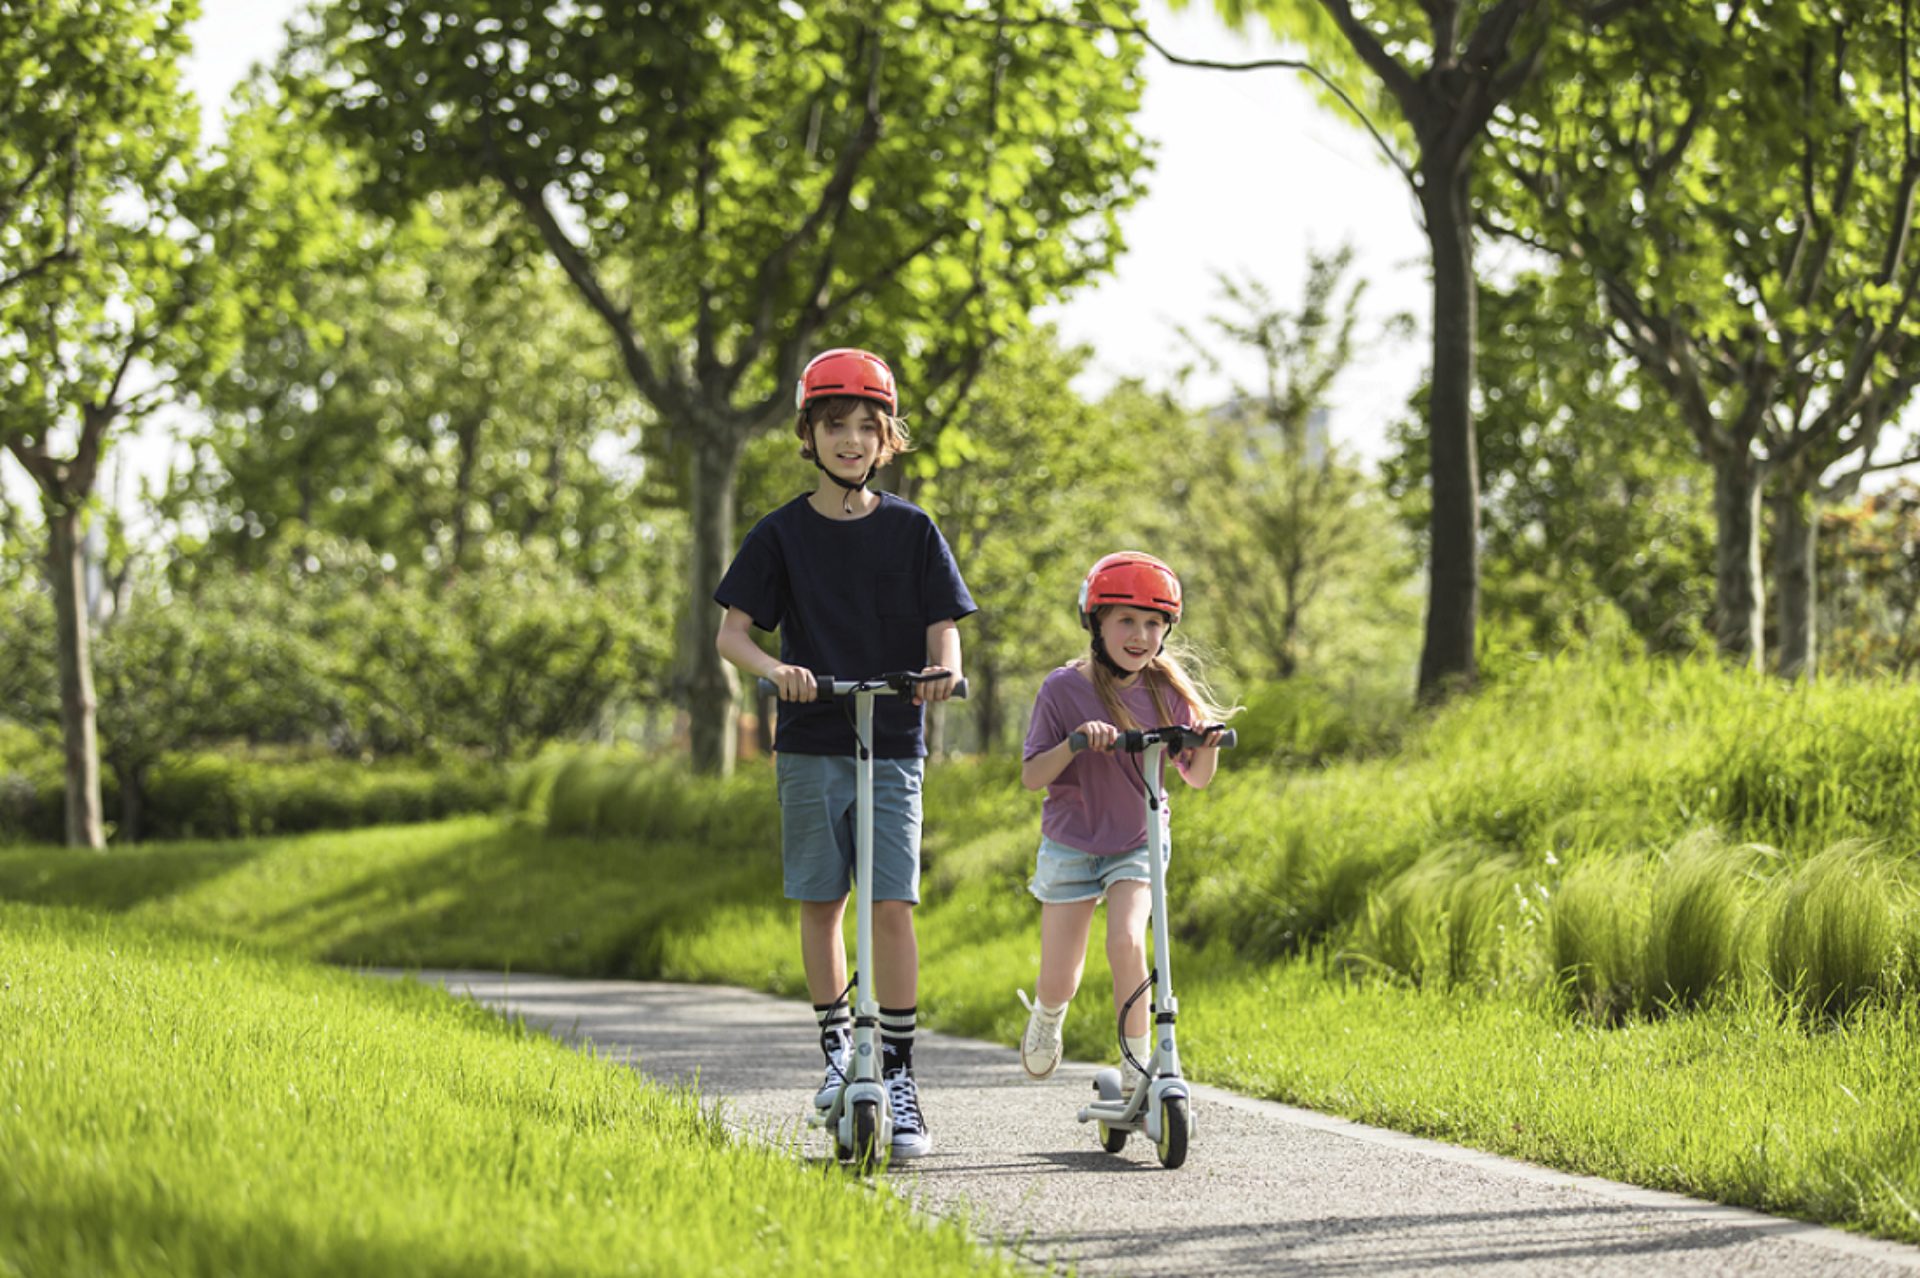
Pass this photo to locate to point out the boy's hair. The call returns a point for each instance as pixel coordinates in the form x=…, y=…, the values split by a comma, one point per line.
x=1176, y=671
x=833, y=408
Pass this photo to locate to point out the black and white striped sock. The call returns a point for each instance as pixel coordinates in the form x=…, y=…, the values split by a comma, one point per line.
x=896, y=1038
x=836, y=1023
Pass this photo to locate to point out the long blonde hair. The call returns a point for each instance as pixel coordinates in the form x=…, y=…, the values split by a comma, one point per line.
x=1176, y=670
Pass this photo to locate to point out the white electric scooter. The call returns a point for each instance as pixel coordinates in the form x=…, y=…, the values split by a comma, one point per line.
x=859, y=1117
x=1161, y=1105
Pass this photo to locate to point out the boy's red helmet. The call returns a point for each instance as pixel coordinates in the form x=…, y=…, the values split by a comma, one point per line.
x=1132, y=579
x=846, y=371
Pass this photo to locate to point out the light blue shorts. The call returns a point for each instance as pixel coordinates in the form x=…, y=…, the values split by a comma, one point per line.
x=1064, y=875
x=817, y=798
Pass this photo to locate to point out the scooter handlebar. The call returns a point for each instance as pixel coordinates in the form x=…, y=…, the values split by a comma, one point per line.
x=1177, y=738
x=827, y=687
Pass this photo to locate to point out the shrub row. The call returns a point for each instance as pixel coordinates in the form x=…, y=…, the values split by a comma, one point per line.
x=216, y=795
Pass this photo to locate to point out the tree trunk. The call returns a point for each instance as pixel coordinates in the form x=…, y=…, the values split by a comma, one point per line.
x=66, y=569
x=133, y=803
x=1795, y=531
x=467, y=442
x=711, y=709
x=1738, y=591
x=1448, y=660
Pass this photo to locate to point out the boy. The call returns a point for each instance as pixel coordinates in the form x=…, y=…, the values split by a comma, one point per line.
x=858, y=584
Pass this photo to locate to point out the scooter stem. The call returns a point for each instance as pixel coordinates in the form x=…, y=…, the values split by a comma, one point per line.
x=1158, y=845
x=866, y=1001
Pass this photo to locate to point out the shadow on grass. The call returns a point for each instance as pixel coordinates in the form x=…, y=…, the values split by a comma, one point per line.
x=118, y=881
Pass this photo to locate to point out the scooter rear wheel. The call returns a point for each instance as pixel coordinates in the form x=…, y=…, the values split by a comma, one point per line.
x=1112, y=1139
x=1172, y=1146
x=866, y=1135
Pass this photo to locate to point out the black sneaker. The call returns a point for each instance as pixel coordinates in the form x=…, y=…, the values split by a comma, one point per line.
x=910, y=1139
x=838, y=1049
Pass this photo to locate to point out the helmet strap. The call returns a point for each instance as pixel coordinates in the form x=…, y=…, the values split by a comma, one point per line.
x=846, y=505
x=1100, y=655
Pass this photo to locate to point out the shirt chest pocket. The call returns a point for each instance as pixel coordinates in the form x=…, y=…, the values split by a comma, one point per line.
x=897, y=596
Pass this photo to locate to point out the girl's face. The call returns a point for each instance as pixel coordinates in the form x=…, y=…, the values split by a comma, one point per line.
x=850, y=447
x=1132, y=636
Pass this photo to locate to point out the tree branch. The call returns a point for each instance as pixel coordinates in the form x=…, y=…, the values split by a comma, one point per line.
x=828, y=212
x=1140, y=32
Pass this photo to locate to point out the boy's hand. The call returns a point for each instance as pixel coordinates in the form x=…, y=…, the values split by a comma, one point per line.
x=794, y=682
x=1100, y=735
x=939, y=690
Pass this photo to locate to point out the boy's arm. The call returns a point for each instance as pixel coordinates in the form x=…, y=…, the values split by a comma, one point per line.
x=943, y=651
x=735, y=642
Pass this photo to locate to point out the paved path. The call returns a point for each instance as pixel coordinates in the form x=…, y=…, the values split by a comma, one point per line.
x=1267, y=1189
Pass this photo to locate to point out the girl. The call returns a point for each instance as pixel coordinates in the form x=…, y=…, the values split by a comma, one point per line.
x=1093, y=830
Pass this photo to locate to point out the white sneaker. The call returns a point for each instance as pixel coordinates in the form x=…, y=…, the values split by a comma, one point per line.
x=910, y=1139
x=1040, y=1046
x=1130, y=1078
x=839, y=1060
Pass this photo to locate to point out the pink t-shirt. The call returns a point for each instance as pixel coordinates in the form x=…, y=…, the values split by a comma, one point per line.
x=1098, y=803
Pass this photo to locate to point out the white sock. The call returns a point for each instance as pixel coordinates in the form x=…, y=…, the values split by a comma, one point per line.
x=1140, y=1047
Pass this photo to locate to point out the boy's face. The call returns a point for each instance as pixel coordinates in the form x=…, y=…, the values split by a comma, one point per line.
x=1132, y=635
x=851, y=446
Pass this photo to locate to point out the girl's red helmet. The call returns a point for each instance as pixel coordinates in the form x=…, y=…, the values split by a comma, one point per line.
x=846, y=371
x=1132, y=579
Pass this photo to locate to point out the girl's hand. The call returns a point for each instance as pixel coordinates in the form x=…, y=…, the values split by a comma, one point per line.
x=1211, y=733
x=1100, y=735
x=794, y=682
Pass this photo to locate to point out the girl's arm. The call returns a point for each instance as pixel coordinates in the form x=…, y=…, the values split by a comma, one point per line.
x=1038, y=772
x=1200, y=765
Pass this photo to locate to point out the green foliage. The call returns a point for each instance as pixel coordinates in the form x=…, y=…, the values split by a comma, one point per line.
x=1869, y=583
x=1835, y=938
x=723, y=165
x=1289, y=540
x=224, y=795
x=1595, y=509
x=1598, y=934
x=293, y=1120
x=1031, y=484
x=1701, y=897
x=1303, y=721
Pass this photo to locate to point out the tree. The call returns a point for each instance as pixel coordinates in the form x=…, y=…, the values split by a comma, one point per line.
x=731, y=187
x=1595, y=501
x=1738, y=184
x=1033, y=484
x=110, y=293
x=1445, y=67
x=1285, y=517
x=415, y=405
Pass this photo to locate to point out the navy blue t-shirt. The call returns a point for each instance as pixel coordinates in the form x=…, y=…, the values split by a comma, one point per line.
x=851, y=598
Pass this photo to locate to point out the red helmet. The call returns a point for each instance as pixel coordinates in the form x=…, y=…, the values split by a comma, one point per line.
x=846, y=371
x=1132, y=579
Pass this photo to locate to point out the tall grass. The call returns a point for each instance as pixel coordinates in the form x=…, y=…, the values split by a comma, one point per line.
x=1836, y=940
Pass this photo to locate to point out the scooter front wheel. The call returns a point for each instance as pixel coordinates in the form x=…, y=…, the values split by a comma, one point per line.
x=1174, y=1131
x=866, y=1135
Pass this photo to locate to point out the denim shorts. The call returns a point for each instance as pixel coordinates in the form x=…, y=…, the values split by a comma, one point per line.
x=1064, y=875
x=817, y=798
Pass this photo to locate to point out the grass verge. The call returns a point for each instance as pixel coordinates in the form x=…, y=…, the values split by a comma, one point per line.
x=172, y=1105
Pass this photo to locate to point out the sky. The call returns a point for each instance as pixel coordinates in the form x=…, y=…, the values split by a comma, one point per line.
x=1251, y=173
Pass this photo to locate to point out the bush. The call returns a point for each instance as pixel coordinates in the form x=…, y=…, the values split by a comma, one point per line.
x=1835, y=941
x=217, y=795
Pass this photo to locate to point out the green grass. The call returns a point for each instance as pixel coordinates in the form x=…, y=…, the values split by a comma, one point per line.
x=172, y=1105
x=1649, y=921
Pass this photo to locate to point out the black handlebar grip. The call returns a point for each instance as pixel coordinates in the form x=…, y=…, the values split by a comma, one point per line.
x=1076, y=743
x=1227, y=740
